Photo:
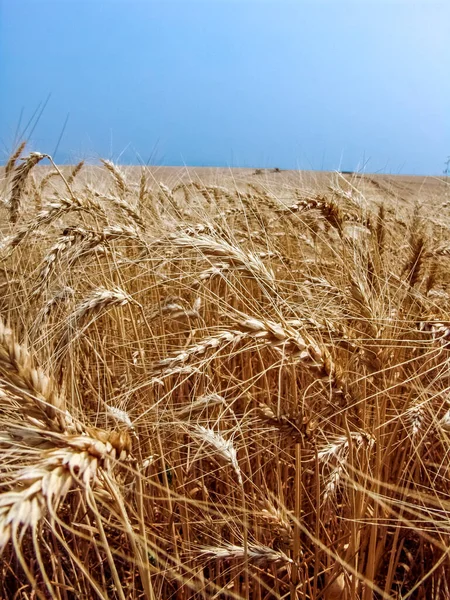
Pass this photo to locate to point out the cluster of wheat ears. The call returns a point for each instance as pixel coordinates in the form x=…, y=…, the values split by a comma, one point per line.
x=211, y=393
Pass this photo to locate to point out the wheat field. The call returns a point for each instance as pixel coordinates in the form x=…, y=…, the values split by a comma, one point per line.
x=223, y=384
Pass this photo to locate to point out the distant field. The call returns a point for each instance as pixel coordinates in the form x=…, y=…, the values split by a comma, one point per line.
x=223, y=383
x=376, y=186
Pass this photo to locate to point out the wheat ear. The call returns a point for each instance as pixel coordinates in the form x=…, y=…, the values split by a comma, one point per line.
x=258, y=555
x=37, y=391
x=9, y=167
x=81, y=240
x=95, y=303
x=77, y=168
x=218, y=248
x=50, y=213
x=19, y=181
x=117, y=175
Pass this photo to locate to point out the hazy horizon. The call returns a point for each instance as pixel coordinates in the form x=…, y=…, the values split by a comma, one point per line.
x=266, y=84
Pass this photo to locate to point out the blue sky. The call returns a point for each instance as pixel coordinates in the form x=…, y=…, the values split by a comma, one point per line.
x=302, y=84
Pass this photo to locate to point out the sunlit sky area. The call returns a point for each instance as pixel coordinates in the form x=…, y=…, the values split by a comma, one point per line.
x=253, y=83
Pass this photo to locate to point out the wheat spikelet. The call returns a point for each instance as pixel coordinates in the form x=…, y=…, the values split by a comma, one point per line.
x=335, y=589
x=131, y=213
x=186, y=191
x=205, y=193
x=36, y=193
x=415, y=421
x=440, y=332
x=176, y=370
x=270, y=200
x=96, y=302
x=413, y=265
x=19, y=181
x=220, y=192
x=56, y=455
x=290, y=341
x=380, y=230
x=173, y=309
x=282, y=338
x=197, y=229
x=445, y=421
x=167, y=191
x=417, y=248
x=110, y=232
x=181, y=186
x=362, y=303
x=432, y=275
x=443, y=250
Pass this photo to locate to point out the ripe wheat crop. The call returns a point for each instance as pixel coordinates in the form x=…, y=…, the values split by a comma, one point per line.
x=212, y=390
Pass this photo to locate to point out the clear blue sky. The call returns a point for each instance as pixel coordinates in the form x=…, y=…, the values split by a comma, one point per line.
x=304, y=84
